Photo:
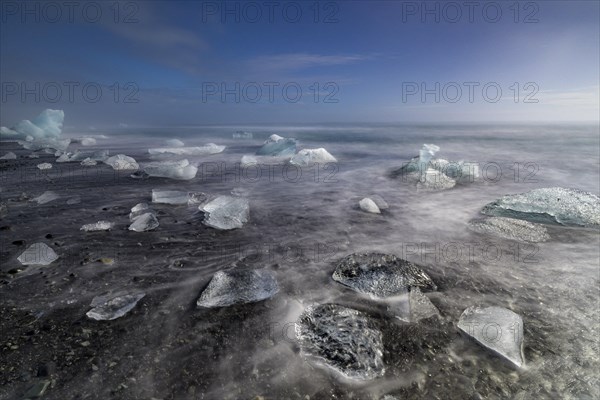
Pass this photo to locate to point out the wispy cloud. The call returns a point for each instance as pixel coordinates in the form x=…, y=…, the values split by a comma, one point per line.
x=297, y=61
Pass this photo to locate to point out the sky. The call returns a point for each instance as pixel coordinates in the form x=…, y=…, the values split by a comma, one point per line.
x=186, y=63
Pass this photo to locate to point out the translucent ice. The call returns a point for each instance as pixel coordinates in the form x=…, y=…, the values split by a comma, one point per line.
x=432, y=179
x=197, y=198
x=181, y=170
x=98, y=226
x=425, y=154
x=510, y=228
x=549, y=205
x=210, y=148
x=226, y=212
x=38, y=254
x=276, y=145
x=101, y=155
x=420, y=306
x=174, y=143
x=107, y=308
x=88, y=141
x=144, y=222
x=242, y=135
x=46, y=197
x=169, y=196
x=9, y=156
x=307, y=157
x=139, y=209
x=380, y=275
x=121, y=162
x=46, y=144
x=343, y=339
x=44, y=166
x=248, y=161
x=46, y=125
x=238, y=286
x=88, y=162
x=369, y=206
x=497, y=329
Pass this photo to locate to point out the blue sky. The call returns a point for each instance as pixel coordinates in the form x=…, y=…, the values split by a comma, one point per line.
x=354, y=61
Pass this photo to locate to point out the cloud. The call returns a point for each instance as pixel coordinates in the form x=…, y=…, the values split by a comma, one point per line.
x=297, y=61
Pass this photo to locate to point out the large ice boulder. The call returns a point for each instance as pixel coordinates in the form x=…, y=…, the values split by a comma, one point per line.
x=380, y=275
x=46, y=125
x=343, y=339
x=555, y=205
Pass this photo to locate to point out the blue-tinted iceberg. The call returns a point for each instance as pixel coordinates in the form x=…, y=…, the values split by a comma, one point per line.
x=278, y=146
x=46, y=125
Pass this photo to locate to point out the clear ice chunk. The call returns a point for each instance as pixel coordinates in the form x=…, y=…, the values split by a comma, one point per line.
x=169, y=196
x=308, y=157
x=238, y=287
x=107, y=308
x=98, y=226
x=497, y=329
x=38, y=254
x=144, y=222
x=210, y=148
x=88, y=162
x=342, y=338
x=279, y=146
x=550, y=206
x=121, y=162
x=510, y=228
x=420, y=307
x=226, y=212
x=46, y=197
x=380, y=275
x=9, y=156
x=44, y=166
x=369, y=206
x=181, y=170
x=139, y=209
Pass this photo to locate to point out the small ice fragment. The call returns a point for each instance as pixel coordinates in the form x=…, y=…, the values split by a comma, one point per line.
x=174, y=143
x=139, y=209
x=248, y=161
x=9, y=156
x=369, y=206
x=497, y=329
x=44, y=166
x=169, y=196
x=98, y=226
x=345, y=339
x=197, y=199
x=88, y=162
x=510, y=228
x=420, y=306
x=307, y=157
x=432, y=179
x=46, y=197
x=144, y=222
x=107, y=309
x=238, y=287
x=181, y=170
x=33, y=155
x=88, y=141
x=121, y=162
x=381, y=203
x=242, y=135
x=64, y=157
x=226, y=212
x=210, y=148
x=38, y=254
x=276, y=145
x=74, y=200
